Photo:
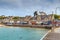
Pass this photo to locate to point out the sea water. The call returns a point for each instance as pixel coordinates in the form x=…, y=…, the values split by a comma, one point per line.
x=20, y=33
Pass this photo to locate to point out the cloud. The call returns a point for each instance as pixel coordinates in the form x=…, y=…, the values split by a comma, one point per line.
x=8, y=4
x=29, y=6
x=30, y=3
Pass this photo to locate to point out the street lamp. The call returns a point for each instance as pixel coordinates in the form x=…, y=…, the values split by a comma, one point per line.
x=54, y=19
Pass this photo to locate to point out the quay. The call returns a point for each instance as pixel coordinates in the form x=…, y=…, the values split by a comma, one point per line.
x=54, y=35
x=33, y=26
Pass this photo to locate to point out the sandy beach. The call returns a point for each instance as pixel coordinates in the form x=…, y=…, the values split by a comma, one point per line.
x=2, y=25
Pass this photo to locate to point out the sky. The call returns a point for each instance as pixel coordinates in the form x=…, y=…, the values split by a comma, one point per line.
x=27, y=7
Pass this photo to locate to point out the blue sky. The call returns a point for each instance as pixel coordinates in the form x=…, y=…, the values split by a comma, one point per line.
x=27, y=7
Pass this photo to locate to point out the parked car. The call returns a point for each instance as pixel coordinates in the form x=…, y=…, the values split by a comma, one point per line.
x=46, y=23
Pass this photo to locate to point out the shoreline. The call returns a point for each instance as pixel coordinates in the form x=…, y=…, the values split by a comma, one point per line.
x=28, y=26
x=32, y=26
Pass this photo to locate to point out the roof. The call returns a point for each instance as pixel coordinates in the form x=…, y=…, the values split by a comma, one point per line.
x=43, y=13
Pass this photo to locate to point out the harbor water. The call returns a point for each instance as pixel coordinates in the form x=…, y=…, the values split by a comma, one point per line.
x=21, y=33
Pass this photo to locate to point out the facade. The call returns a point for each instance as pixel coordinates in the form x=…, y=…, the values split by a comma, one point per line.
x=44, y=17
x=7, y=19
x=38, y=17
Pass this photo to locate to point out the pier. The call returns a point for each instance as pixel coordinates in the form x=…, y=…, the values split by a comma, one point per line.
x=53, y=35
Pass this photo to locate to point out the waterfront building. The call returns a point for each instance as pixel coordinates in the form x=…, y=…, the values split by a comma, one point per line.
x=44, y=17
x=27, y=18
x=38, y=18
x=7, y=19
x=41, y=17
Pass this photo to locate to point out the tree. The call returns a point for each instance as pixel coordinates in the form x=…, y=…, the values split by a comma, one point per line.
x=1, y=17
x=56, y=16
x=35, y=13
x=16, y=18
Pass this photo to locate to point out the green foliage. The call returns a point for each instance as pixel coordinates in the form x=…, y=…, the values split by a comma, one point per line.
x=56, y=16
x=16, y=18
x=35, y=13
x=2, y=17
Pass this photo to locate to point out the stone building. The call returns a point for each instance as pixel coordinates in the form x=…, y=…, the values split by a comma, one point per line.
x=44, y=17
